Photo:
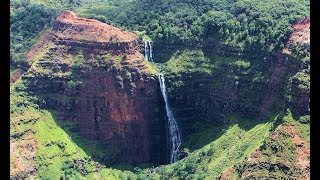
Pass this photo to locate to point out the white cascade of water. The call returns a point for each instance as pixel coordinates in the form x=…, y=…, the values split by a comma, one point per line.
x=146, y=50
x=174, y=133
x=150, y=51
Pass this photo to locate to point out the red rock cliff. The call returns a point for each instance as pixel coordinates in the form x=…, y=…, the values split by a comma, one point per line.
x=299, y=37
x=92, y=73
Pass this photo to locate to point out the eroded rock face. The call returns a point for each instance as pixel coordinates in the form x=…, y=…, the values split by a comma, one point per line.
x=254, y=92
x=300, y=83
x=210, y=98
x=92, y=73
x=70, y=30
x=275, y=157
x=287, y=63
x=119, y=111
x=300, y=35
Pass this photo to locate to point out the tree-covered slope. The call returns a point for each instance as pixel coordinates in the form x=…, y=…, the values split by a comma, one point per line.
x=238, y=83
x=257, y=27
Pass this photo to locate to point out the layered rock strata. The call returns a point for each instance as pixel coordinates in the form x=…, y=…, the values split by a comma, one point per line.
x=92, y=73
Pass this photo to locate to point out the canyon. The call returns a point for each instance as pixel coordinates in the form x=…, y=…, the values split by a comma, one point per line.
x=95, y=76
x=99, y=79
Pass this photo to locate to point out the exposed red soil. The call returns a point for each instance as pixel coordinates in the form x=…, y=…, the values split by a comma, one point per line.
x=226, y=174
x=255, y=155
x=70, y=30
x=89, y=29
x=111, y=105
x=23, y=152
x=43, y=41
x=300, y=35
x=15, y=75
x=303, y=151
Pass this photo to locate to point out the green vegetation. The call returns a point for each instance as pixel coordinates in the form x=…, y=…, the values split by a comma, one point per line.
x=214, y=80
x=151, y=67
x=303, y=80
x=258, y=27
x=214, y=95
x=117, y=62
x=232, y=144
x=63, y=153
x=278, y=154
x=53, y=148
x=59, y=153
x=302, y=124
x=27, y=22
x=195, y=60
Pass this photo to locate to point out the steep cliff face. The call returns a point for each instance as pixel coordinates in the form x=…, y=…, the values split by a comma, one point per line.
x=288, y=63
x=209, y=99
x=204, y=89
x=92, y=73
x=286, y=152
x=299, y=86
x=245, y=86
x=274, y=87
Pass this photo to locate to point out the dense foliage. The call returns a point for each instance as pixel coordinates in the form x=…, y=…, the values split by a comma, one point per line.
x=259, y=28
x=27, y=21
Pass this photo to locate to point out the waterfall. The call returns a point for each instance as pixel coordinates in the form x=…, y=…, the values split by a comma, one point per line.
x=174, y=133
x=148, y=51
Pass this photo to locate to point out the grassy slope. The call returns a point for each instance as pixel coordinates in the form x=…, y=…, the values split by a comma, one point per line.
x=280, y=154
x=210, y=161
x=194, y=60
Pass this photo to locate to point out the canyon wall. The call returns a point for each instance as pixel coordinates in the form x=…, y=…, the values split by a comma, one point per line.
x=92, y=73
x=209, y=98
x=255, y=88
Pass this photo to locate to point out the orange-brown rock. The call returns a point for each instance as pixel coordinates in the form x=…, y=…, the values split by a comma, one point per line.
x=299, y=37
x=68, y=29
x=259, y=161
x=73, y=27
x=92, y=73
x=226, y=174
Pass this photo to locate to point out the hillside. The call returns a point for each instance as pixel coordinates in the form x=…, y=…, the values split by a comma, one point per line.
x=86, y=104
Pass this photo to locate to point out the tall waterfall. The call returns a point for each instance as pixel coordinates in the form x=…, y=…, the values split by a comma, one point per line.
x=148, y=50
x=175, y=140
